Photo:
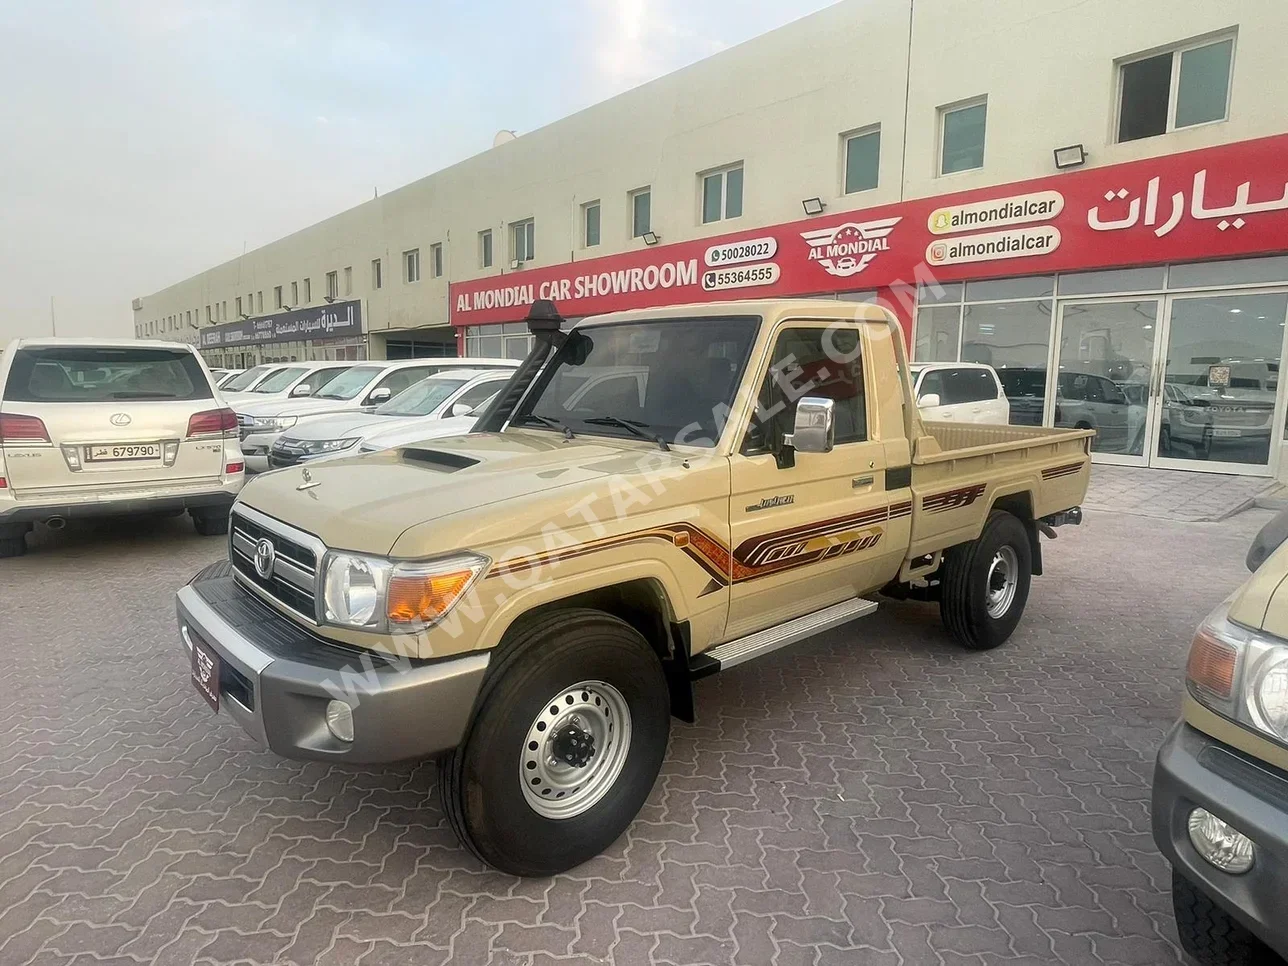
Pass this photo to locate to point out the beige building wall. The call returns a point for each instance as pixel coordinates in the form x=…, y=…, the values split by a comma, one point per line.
x=779, y=104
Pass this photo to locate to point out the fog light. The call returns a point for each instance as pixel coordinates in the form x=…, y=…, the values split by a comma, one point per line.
x=339, y=720
x=1219, y=843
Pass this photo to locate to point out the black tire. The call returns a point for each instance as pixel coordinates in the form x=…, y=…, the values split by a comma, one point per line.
x=479, y=783
x=1211, y=935
x=12, y=547
x=210, y=523
x=964, y=586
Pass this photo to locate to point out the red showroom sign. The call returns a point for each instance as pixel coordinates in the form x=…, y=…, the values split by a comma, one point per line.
x=1212, y=203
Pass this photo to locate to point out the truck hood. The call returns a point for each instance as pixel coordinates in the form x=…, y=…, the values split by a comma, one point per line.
x=1262, y=602
x=365, y=503
x=393, y=433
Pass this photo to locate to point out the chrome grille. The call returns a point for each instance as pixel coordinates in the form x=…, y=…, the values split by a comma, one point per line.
x=293, y=579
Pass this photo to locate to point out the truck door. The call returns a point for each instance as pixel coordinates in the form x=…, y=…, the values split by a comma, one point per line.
x=813, y=533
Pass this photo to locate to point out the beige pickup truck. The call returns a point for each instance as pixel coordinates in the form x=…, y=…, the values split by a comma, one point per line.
x=654, y=497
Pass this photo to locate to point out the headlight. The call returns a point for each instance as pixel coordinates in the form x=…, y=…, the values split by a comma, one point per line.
x=272, y=424
x=1241, y=674
x=316, y=447
x=355, y=588
x=376, y=594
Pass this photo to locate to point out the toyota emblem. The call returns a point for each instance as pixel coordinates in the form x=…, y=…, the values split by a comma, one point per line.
x=120, y=419
x=265, y=557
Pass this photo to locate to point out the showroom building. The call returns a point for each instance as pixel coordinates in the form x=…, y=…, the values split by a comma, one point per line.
x=1091, y=197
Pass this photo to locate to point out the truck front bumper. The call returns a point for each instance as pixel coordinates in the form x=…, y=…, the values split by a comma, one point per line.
x=276, y=679
x=1194, y=771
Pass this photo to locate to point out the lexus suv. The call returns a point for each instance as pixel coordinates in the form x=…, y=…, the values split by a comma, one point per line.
x=95, y=428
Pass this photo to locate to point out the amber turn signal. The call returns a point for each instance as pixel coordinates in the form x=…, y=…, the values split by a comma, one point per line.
x=423, y=599
x=1212, y=664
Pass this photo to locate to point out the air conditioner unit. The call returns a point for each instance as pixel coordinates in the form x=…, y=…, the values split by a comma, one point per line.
x=137, y=305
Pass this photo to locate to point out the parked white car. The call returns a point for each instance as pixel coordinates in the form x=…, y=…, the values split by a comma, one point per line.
x=97, y=428
x=295, y=381
x=456, y=393
x=361, y=389
x=249, y=378
x=960, y=392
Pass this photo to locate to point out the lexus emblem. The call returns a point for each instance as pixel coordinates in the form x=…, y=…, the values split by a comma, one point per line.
x=265, y=557
x=120, y=419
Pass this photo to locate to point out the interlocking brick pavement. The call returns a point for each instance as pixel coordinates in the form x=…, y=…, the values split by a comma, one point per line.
x=874, y=795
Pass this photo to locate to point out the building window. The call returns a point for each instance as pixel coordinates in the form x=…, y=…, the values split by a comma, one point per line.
x=188, y=318
x=1184, y=86
x=722, y=194
x=641, y=212
x=210, y=316
x=524, y=240
x=436, y=260
x=485, y=249
x=590, y=224
x=295, y=294
x=961, y=136
x=332, y=285
x=862, y=159
x=376, y=277
x=224, y=306
x=348, y=280
x=411, y=266
x=259, y=303
x=308, y=291
x=277, y=296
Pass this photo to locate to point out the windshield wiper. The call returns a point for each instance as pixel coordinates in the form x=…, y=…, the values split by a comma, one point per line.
x=631, y=426
x=551, y=423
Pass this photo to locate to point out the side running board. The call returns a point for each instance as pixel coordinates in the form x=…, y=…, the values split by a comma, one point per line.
x=756, y=645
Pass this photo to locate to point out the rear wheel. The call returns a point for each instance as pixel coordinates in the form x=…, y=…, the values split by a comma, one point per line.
x=1210, y=934
x=985, y=583
x=210, y=523
x=567, y=739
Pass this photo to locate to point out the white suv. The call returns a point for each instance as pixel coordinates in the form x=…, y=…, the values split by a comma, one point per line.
x=295, y=381
x=361, y=389
x=94, y=428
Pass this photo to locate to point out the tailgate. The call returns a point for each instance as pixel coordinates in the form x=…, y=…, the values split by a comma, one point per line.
x=97, y=416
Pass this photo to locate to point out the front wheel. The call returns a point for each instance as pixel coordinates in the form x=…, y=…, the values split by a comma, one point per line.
x=1211, y=935
x=985, y=584
x=567, y=740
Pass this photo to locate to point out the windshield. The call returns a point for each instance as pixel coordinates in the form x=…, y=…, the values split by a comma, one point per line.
x=97, y=374
x=422, y=398
x=278, y=381
x=350, y=384
x=673, y=378
x=247, y=378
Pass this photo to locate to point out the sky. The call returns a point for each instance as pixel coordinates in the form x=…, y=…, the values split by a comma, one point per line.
x=143, y=141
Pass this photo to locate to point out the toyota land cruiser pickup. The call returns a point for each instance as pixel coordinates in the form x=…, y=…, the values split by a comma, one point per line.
x=531, y=602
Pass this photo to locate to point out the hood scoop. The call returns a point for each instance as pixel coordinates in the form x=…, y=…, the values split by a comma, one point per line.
x=448, y=462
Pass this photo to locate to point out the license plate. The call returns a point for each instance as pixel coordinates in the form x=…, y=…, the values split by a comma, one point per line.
x=127, y=452
x=205, y=671
x=1226, y=433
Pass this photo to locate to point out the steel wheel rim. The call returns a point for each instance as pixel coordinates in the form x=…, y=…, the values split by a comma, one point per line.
x=555, y=787
x=1003, y=581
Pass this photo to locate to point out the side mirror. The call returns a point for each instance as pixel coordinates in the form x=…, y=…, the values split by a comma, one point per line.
x=814, y=430
x=929, y=401
x=378, y=396
x=303, y=389
x=462, y=409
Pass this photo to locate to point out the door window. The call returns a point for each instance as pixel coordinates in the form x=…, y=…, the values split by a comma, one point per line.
x=810, y=362
x=401, y=379
x=476, y=394
x=967, y=386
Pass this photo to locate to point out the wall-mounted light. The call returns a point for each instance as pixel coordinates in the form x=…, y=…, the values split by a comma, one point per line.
x=813, y=206
x=1072, y=156
x=515, y=264
x=328, y=299
x=651, y=237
